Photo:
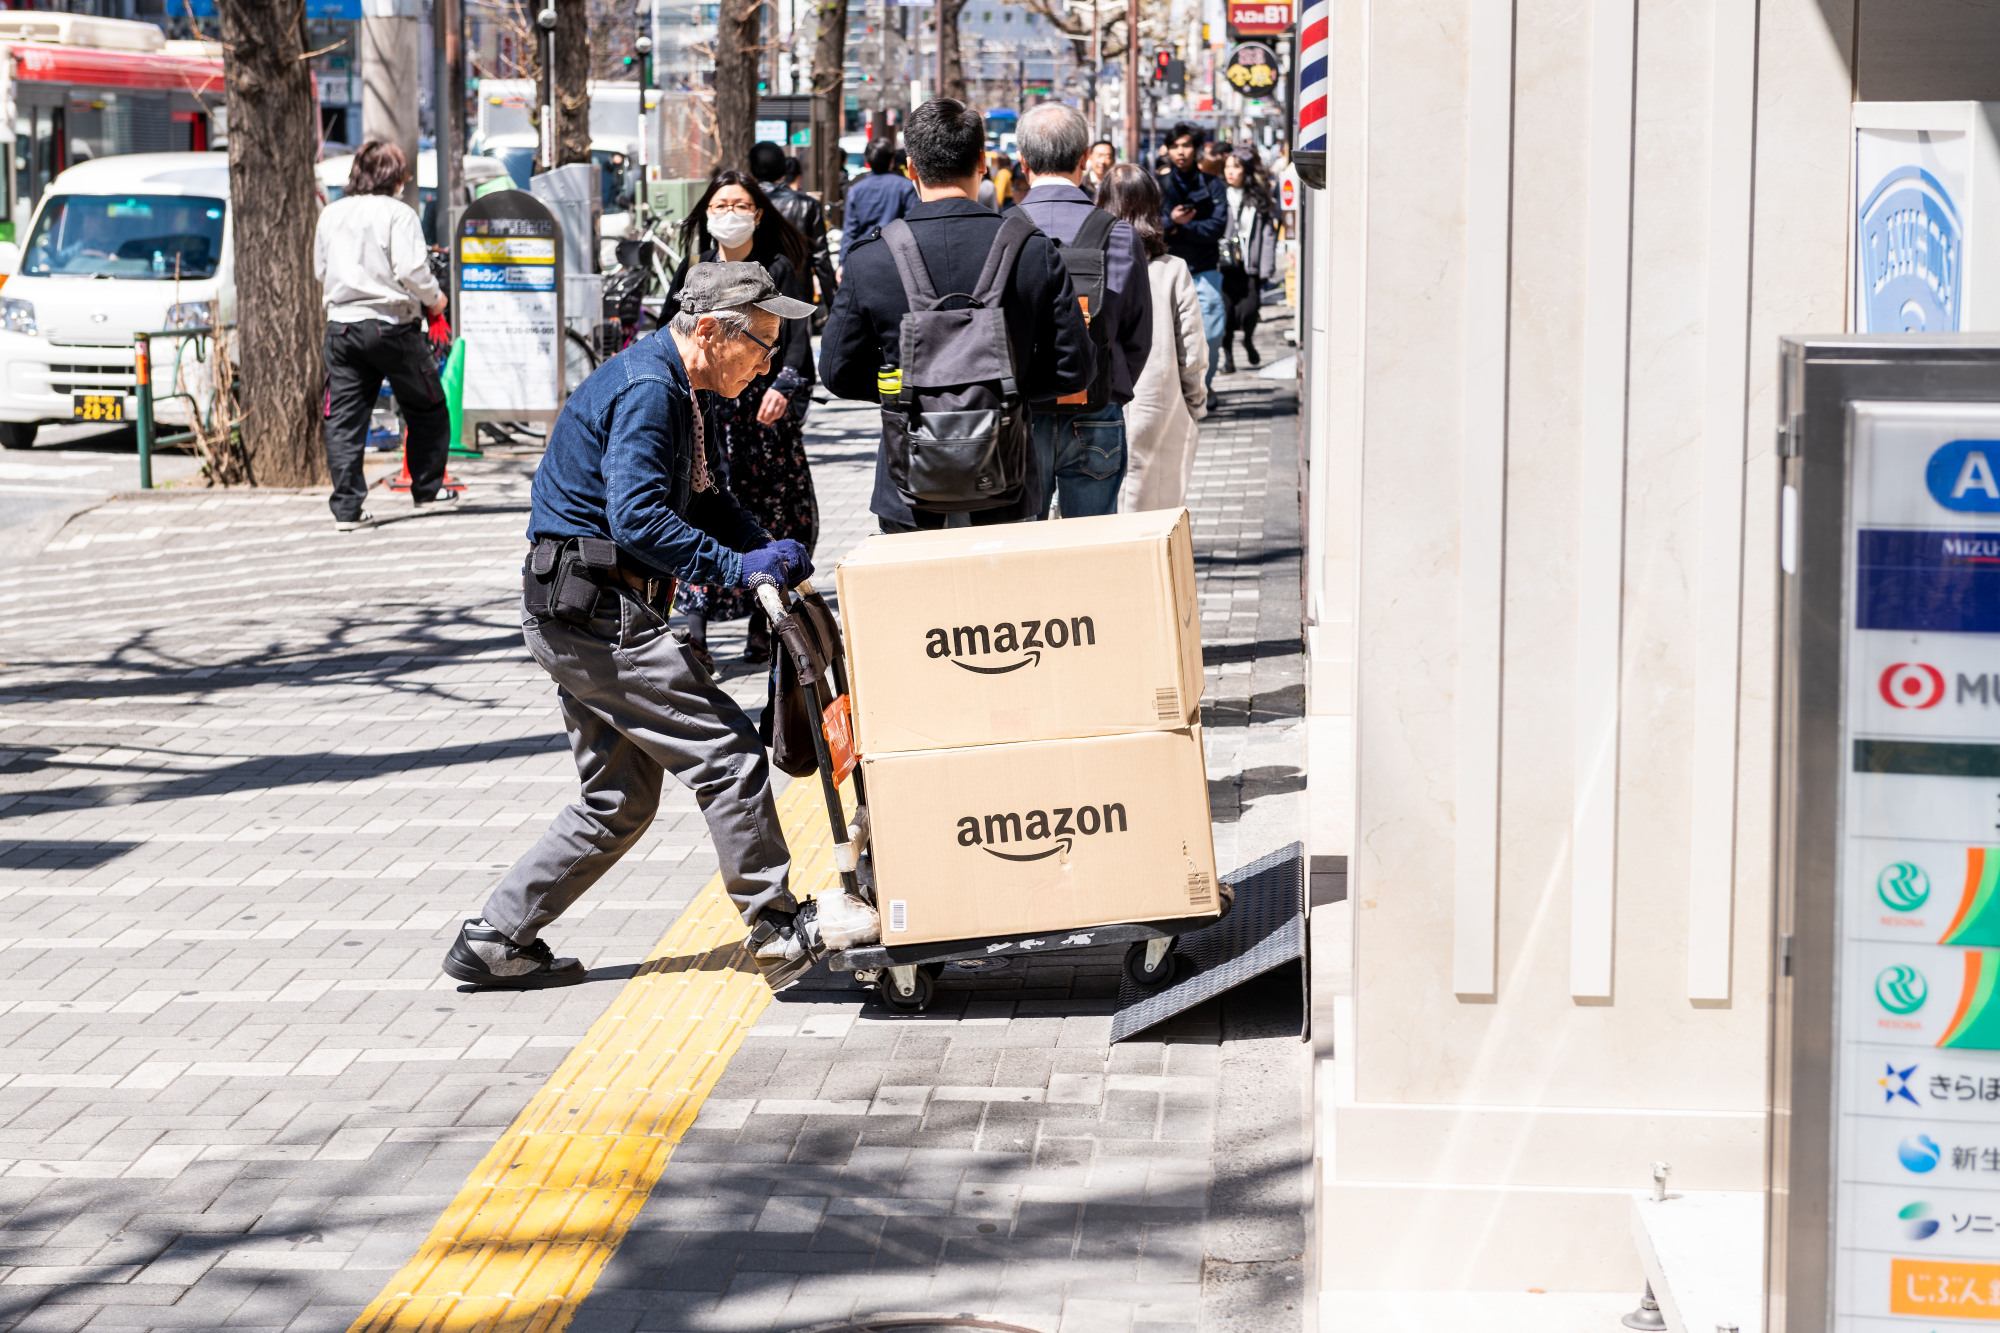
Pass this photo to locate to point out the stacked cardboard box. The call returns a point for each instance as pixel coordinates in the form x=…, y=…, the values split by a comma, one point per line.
x=1027, y=703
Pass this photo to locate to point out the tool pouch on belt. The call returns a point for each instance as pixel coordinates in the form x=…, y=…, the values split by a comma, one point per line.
x=565, y=578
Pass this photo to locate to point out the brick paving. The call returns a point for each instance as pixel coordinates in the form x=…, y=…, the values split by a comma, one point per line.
x=252, y=773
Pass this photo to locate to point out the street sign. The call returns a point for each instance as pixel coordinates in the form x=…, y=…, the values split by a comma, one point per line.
x=1885, y=1116
x=1260, y=18
x=1252, y=69
x=507, y=269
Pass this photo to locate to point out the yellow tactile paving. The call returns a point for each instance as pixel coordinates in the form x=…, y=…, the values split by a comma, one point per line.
x=524, y=1241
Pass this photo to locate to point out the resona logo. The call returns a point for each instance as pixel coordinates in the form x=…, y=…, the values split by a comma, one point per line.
x=1059, y=826
x=1901, y=989
x=1029, y=638
x=1903, y=886
x=1912, y=685
x=1960, y=476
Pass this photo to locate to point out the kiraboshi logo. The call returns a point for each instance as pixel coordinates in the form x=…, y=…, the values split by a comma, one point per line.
x=1912, y=685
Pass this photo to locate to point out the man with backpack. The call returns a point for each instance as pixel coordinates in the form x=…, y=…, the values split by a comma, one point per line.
x=1080, y=440
x=954, y=319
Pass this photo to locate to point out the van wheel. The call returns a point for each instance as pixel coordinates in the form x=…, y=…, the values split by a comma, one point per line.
x=17, y=434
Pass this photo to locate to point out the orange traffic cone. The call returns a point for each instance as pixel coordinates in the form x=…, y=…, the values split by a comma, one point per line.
x=401, y=481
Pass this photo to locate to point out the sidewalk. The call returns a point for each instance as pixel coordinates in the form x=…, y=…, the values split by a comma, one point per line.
x=253, y=772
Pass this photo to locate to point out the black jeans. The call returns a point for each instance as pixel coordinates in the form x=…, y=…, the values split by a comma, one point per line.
x=359, y=357
x=1242, y=303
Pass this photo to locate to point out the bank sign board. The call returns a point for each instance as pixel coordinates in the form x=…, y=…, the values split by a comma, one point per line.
x=1917, y=1102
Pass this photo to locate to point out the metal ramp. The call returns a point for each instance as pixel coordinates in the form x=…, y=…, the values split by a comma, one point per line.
x=1266, y=928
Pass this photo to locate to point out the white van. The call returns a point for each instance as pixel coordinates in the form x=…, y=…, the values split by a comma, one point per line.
x=136, y=243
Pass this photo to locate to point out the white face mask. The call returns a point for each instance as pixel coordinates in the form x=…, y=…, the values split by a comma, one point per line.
x=731, y=229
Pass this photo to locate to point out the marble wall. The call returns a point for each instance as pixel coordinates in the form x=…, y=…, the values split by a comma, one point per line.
x=1455, y=1118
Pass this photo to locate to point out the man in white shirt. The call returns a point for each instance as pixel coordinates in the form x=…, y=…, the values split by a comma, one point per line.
x=374, y=269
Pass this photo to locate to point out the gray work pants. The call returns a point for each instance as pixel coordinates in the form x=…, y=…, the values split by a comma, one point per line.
x=638, y=705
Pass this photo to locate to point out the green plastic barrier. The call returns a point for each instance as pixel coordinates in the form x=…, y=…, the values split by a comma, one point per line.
x=453, y=376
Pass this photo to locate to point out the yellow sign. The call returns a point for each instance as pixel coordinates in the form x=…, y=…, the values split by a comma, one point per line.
x=1935, y=1288
x=506, y=250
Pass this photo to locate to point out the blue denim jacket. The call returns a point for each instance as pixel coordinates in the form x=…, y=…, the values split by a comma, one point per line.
x=620, y=464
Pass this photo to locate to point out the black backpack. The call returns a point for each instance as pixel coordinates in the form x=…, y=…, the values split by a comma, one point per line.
x=1085, y=258
x=954, y=427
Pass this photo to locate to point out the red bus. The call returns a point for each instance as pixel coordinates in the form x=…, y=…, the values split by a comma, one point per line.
x=76, y=88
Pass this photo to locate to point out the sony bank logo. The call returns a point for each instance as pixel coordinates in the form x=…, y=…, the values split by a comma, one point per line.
x=1029, y=638
x=1059, y=826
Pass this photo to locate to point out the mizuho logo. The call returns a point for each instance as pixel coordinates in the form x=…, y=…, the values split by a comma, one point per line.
x=1029, y=638
x=1901, y=989
x=1960, y=476
x=1903, y=886
x=1058, y=826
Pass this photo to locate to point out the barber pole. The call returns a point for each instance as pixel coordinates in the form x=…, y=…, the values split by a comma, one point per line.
x=1309, y=134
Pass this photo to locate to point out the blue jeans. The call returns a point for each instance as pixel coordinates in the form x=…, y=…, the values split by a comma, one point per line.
x=1208, y=290
x=1083, y=457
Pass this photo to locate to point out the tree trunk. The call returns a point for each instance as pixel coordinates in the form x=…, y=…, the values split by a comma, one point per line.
x=273, y=132
x=829, y=174
x=572, y=77
x=951, y=75
x=738, y=52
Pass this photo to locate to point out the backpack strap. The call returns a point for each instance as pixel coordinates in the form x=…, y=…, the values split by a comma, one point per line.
x=1014, y=232
x=1095, y=233
x=916, y=275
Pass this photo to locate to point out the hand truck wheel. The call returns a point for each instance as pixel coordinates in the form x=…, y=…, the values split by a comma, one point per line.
x=908, y=990
x=1150, y=963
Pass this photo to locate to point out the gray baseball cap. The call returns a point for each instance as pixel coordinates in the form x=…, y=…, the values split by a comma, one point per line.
x=724, y=286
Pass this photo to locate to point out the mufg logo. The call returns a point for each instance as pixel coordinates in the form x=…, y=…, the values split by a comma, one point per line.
x=1960, y=476
x=1910, y=255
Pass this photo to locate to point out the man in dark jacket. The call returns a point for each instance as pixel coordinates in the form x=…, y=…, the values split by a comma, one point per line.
x=1194, y=216
x=954, y=232
x=623, y=504
x=878, y=198
x=1083, y=453
x=768, y=164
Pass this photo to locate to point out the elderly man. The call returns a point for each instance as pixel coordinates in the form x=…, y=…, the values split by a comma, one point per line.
x=1081, y=454
x=624, y=503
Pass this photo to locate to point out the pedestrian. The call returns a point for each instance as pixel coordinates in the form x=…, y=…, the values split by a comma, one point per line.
x=622, y=507
x=375, y=278
x=1103, y=154
x=759, y=441
x=1081, y=454
x=954, y=233
x=876, y=199
x=1248, y=258
x=777, y=174
x=1170, y=394
x=1194, y=217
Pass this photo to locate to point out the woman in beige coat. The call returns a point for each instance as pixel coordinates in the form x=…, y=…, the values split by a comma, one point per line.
x=1171, y=394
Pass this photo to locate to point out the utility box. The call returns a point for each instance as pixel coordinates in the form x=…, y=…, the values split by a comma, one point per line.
x=1885, y=1118
x=1926, y=219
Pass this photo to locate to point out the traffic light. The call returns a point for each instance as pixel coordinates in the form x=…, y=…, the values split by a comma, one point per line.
x=1161, y=59
x=1169, y=73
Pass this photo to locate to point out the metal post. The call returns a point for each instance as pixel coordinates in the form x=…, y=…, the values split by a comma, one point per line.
x=1131, y=80
x=645, y=48
x=142, y=358
x=551, y=127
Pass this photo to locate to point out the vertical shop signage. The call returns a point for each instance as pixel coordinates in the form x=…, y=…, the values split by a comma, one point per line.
x=1917, y=1145
x=508, y=269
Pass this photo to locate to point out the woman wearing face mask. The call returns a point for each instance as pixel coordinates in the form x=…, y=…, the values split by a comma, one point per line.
x=758, y=444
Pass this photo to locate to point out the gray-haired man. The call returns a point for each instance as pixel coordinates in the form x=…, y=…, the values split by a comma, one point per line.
x=624, y=503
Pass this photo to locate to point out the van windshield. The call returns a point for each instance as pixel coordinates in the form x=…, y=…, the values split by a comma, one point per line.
x=126, y=236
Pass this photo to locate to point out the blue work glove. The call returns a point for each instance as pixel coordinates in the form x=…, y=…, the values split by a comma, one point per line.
x=783, y=562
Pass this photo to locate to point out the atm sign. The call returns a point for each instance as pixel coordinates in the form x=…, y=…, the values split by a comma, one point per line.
x=1259, y=19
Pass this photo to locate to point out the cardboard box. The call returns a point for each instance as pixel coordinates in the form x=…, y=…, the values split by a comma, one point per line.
x=1045, y=835
x=1022, y=632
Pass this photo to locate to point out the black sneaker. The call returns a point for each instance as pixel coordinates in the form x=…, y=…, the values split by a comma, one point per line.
x=786, y=944
x=483, y=956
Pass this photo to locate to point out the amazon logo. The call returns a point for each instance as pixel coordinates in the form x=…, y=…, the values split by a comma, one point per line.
x=1030, y=638
x=993, y=832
